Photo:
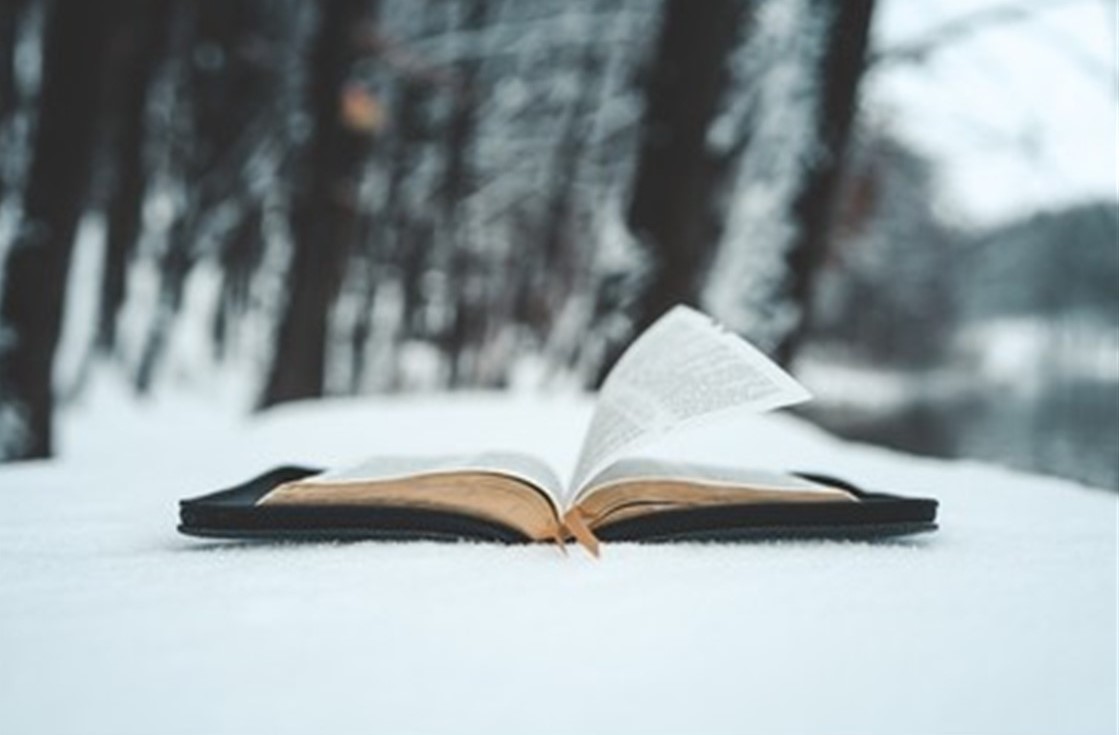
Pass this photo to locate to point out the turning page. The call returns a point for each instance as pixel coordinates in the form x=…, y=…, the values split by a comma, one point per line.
x=682, y=369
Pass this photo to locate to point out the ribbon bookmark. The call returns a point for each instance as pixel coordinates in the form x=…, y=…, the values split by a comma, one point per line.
x=558, y=539
x=574, y=521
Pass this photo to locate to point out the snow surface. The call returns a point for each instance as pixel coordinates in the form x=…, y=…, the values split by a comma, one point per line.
x=110, y=622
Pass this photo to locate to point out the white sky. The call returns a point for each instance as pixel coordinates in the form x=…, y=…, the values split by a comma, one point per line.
x=1022, y=115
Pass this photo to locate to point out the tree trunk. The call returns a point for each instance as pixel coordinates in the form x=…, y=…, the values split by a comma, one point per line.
x=469, y=321
x=841, y=69
x=239, y=256
x=324, y=217
x=11, y=15
x=11, y=12
x=674, y=211
x=224, y=118
x=137, y=44
x=32, y=304
x=395, y=237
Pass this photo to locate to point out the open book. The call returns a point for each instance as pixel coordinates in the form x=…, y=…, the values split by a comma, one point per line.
x=684, y=369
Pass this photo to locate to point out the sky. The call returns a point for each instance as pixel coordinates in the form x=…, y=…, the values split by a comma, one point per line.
x=1021, y=114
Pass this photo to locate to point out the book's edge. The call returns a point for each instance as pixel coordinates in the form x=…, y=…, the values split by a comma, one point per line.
x=880, y=515
x=300, y=493
x=283, y=524
x=887, y=515
x=807, y=490
x=820, y=488
x=869, y=532
x=269, y=478
x=467, y=468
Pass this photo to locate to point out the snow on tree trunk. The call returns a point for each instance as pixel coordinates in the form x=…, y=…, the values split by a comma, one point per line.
x=800, y=75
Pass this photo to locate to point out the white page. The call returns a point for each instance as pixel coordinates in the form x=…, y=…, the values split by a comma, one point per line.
x=683, y=369
x=521, y=466
x=651, y=468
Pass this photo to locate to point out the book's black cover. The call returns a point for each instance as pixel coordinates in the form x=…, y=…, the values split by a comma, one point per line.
x=233, y=513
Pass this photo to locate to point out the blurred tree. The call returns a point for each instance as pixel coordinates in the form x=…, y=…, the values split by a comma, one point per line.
x=1062, y=263
x=325, y=204
x=398, y=248
x=38, y=261
x=137, y=41
x=675, y=209
x=839, y=73
x=887, y=293
x=473, y=181
x=12, y=18
x=220, y=123
x=10, y=14
x=459, y=178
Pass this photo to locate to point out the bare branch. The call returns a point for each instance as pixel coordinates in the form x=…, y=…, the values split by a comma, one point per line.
x=959, y=29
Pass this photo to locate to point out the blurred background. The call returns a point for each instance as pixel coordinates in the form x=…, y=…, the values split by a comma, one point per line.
x=911, y=205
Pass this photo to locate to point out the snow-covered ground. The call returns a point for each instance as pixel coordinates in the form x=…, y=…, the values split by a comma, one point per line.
x=1004, y=621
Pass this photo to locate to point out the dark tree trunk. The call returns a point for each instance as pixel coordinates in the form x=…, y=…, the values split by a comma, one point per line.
x=11, y=12
x=226, y=96
x=411, y=239
x=841, y=69
x=138, y=41
x=458, y=176
x=469, y=321
x=324, y=216
x=674, y=211
x=396, y=243
x=239, y=257
x=11, y=15
x=32, y=304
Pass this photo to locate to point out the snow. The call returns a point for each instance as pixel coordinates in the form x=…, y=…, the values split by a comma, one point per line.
x=780, y=114
x=110, y=622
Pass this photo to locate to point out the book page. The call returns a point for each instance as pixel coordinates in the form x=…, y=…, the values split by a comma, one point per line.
x=648, y=468
x=683, y=369
x=521, y=466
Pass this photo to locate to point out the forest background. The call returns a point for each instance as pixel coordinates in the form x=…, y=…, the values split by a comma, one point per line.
x=914, y=208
